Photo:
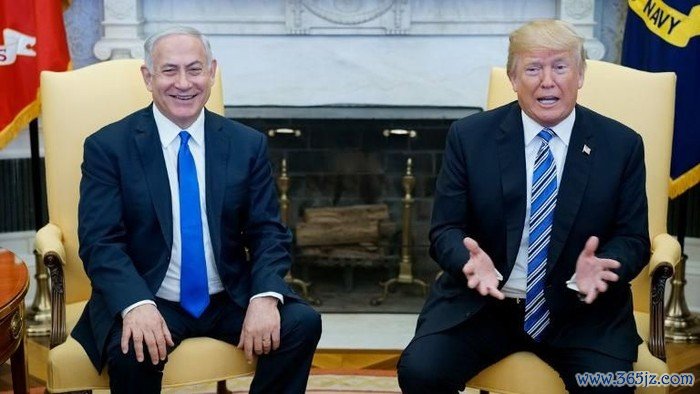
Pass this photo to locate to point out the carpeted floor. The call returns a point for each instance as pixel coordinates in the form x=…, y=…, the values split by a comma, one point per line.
x=338, y=382
x=342, y=381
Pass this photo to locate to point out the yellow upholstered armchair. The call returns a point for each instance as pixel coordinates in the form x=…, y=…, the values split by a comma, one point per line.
x=645, y=102
x=76, y=104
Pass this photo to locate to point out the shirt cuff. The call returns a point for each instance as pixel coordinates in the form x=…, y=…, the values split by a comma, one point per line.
x=571, y=284
x=134, y=305
x=279, y=296
x=498, y=275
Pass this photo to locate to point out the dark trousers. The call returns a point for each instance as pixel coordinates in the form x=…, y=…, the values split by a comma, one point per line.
x=285, y=370
x=443, y=362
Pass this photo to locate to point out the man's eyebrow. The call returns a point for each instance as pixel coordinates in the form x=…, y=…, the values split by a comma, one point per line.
x=172, y=65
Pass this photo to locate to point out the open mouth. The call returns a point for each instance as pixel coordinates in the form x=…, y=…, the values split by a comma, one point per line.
x=548, y=100
x=183, y=97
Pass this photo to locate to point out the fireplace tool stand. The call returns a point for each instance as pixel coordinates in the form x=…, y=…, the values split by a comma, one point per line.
x=405, y=266
x=681, y=324
x=283, y=185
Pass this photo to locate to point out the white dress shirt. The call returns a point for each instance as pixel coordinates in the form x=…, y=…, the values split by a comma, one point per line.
x=517, y=282
x=170, y=141
x=168, y=133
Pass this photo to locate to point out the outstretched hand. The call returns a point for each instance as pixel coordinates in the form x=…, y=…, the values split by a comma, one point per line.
x=480, y=271
x=593, y=273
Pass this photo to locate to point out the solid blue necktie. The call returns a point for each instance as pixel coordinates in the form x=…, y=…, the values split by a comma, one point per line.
x=542, y=203
x=194, y=292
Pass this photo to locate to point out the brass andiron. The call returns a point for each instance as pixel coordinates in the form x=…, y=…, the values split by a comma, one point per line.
x=39, y=314
x=406, y=265
x=283, y=185
x=681, y=325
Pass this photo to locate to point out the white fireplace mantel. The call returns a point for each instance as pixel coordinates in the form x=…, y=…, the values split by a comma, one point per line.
x=329, y=52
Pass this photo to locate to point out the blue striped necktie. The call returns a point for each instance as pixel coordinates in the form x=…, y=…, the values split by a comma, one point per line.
x=542, y=203
x=194, y=293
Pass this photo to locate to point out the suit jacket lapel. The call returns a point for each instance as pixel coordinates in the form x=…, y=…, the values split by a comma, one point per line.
x=216, y=155
x=511, y=159
x=577, y=169
x=151, y=153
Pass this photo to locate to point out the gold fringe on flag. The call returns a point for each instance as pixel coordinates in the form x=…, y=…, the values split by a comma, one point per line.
x=684, y=182
x=22, y=119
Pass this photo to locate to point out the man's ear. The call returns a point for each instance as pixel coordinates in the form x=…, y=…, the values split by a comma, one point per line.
x=212, y=72
x=147, y=77
x=581, y=78
x=513, y=82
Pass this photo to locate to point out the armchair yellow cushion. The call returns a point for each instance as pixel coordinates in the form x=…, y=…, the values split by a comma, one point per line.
x=70, y=368
x=525, y=373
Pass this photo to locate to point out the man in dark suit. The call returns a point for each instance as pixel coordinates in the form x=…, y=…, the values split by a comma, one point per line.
x=539, y=224
x=180, y=234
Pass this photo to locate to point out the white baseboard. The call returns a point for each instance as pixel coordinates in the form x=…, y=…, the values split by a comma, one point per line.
x=22, y=244
x=692, y=274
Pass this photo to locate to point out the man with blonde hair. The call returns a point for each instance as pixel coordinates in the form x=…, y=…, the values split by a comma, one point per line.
x=539, y=224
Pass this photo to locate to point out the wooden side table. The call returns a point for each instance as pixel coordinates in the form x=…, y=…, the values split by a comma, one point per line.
x=14, y=282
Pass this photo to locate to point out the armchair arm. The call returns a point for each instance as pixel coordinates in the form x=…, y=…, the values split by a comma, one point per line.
x=664, y=250
x=49, y=245
x=665, y=255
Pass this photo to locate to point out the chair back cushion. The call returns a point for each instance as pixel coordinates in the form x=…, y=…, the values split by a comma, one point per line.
x=641, y=100
x=75, y=104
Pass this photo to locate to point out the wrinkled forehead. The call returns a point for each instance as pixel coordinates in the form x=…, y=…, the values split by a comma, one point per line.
x=545, y=56
x=179, y=46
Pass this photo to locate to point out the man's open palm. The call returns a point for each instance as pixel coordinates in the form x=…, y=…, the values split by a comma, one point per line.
x=593, y=273
x=480, y=271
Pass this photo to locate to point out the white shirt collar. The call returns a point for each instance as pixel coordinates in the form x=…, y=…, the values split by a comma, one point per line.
x=168, y=131
x=562, y=130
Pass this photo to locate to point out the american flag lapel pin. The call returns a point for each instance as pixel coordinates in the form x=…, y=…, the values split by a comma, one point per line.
x=586, y=149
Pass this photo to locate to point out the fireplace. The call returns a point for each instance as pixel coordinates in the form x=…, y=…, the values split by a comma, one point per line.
x=338, y=156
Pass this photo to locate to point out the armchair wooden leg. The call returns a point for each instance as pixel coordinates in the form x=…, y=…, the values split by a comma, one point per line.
x=221, y=387
x=657, y=345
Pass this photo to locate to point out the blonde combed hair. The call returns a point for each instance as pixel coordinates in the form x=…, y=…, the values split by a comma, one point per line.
x=545, y=34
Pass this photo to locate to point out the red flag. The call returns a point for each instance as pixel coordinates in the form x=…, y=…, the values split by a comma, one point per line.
x=33, y=39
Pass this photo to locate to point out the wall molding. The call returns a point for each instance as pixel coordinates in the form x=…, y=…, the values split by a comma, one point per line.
x=354, y=52
x=348, y=17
